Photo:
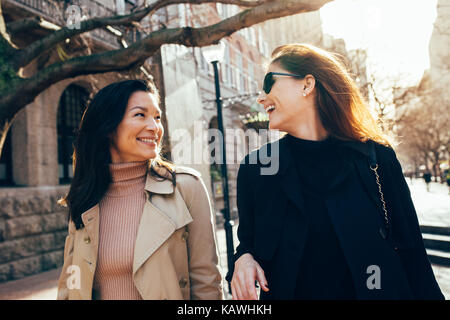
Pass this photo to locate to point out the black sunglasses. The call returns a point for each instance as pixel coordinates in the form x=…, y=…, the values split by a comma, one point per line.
x=269, y=80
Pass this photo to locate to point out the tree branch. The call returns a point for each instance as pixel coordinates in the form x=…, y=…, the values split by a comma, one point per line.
x=138, y=52
x=25, y=56
x=18, y=26
x=6, y=47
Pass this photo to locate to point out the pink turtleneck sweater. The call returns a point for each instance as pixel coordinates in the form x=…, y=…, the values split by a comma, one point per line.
x=120, y=213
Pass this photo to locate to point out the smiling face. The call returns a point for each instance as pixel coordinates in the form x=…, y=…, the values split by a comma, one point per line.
x=285, y=103
x=139, y=134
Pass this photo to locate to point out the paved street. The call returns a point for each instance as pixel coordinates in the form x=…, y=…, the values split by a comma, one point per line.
x=433, y=208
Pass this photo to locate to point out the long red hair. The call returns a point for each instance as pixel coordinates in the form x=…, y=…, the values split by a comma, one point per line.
x=342, y=108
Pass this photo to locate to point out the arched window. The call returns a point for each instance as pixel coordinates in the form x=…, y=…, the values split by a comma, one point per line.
x=71, y=106
x=6, y=163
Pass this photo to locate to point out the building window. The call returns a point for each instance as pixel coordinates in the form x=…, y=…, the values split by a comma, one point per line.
x=228, y=64
x=120, y=7
x=234, y=9
x=182, y=15
x=233, y=77
x=223, y=73
x=71, y=106
x=239, y=60
x=266, y=49
x=251, y=70
x=219, y=9
x=204, y=65
x=238, y=79
x=225, y=66
x=240, y=83
x=6, y=163
x=260, y=41
x=252, y=36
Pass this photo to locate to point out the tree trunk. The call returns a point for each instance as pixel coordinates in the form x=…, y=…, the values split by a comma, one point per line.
x=436, y=167
x=4, y=129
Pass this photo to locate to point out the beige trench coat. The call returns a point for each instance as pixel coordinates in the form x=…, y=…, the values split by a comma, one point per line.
x=175, y=254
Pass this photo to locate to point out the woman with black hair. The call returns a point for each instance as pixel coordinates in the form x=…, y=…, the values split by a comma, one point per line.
x=139, y=227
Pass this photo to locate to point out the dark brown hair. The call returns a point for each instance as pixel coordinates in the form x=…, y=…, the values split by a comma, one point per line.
x=91, y=156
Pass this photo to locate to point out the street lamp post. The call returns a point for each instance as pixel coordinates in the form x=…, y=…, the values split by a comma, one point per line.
x=214, y=54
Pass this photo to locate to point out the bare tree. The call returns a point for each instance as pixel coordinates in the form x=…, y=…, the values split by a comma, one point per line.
x=386, y=93
x=16, y=90
x=423, y=130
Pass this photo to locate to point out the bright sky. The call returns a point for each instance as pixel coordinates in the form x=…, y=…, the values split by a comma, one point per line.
x=396, y=33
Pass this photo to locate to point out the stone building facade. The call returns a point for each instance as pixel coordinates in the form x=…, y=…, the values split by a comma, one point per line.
x=439, y=48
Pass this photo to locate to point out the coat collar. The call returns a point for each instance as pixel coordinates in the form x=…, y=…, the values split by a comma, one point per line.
x=160, y=218
x=288, y=175
x=359, y=146
x=285, y=156
x=155, y=184
x=362, y=147
x=287, y=170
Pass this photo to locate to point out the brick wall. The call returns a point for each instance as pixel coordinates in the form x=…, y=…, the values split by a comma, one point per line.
x=33, y=228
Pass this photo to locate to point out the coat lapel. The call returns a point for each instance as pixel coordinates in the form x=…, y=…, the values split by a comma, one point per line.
x=164, y=212
x=366, y=175
x=280, y=206
x=363, y=169
x=289, y=179
x=368, y=178
x=288, y=176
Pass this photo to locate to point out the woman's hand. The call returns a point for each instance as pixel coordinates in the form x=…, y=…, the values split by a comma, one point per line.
x=246, y=272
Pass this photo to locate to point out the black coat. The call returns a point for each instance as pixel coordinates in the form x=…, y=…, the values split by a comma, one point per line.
x=275, y=235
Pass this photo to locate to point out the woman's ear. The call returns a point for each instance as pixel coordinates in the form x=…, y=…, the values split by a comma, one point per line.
x=310, y=82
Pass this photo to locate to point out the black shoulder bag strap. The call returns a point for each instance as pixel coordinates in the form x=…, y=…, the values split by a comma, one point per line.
x=374, y=167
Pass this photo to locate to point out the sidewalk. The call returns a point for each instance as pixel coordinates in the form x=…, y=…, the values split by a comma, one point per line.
x=43, y=286
x=433, y=208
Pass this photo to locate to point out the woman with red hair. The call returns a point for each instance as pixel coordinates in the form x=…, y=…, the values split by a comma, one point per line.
x=336, y=221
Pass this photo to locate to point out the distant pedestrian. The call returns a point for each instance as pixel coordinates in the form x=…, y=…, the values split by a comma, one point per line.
x=427, y=178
